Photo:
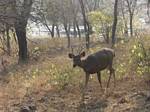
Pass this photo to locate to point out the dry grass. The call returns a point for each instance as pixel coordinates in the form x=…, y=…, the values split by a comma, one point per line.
x=49, y=74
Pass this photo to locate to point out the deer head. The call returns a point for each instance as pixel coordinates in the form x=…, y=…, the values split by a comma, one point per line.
x=77, y=58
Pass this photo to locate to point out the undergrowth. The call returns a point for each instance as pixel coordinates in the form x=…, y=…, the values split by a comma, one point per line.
x=131, y=56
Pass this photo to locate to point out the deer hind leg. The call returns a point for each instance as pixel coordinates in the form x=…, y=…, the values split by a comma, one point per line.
x=109, y=80
x=112, y=71
x=99, y=78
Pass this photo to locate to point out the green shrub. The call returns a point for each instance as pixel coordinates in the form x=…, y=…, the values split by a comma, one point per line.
x=141, y=58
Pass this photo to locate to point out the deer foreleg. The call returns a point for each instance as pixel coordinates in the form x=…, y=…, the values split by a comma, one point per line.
x=99, y=78
x=87, y=76
x=86, y=80
x=112, y=71
x=109, y=78
x=114, y=77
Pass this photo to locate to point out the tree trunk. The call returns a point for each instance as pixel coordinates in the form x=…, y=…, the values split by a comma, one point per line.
x=87, y=35
x=131, y=25
x=75, y=31
x=79, y=33
x=57, y=30
x=67, y=34
x=20, y=28
x=86, y=24
x=124, y=19
x=22, y=43
x=131, y=9
x=107, y=35
x=53, y=30
x=114, y=22
x=48, y=29
x=148, y=10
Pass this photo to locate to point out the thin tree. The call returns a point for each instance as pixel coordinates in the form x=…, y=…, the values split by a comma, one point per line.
x=148, y=9
x=86, y=24
x=131, y=5
x=114, y=22
x=124, y=18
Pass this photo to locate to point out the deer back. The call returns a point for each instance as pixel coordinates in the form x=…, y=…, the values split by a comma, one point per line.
x=98, y=61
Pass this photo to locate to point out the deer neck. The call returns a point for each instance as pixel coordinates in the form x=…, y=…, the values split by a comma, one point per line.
x=82, y=63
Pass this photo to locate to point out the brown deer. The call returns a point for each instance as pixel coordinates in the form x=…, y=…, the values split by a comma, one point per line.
x=95, y=63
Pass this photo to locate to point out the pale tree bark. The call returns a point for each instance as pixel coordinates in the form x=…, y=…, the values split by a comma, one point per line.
x=57, y=30
x=124, y=18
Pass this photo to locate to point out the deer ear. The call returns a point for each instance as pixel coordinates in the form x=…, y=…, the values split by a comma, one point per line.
x=82, y=54
x=70, y=55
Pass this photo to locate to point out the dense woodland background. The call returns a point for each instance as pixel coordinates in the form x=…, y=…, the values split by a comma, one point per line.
x=36, y=36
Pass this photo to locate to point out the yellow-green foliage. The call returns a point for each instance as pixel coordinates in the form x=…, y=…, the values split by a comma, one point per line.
x=121, y=61
x=99, y=19
x=97, y=16
x=141, y=58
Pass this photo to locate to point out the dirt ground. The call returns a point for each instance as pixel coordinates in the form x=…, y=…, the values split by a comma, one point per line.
x=131, y=94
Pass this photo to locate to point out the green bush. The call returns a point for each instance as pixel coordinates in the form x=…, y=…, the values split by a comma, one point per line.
x=62, y=77
x=141, y=58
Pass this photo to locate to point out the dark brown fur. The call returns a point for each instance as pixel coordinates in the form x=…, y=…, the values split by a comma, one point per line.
x=95, y=63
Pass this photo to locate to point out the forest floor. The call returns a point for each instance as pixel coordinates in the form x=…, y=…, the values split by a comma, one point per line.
x=21, y=92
